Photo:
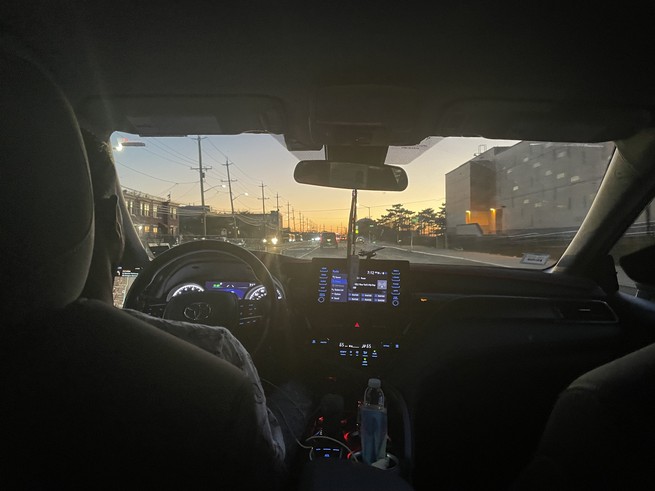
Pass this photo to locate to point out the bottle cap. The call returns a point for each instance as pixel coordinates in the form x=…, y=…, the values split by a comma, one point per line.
x=375, y=383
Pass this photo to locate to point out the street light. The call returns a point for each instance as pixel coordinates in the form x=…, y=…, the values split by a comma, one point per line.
x=124, y=142
x=369, y=217
x=369, y=209
x=234, y=217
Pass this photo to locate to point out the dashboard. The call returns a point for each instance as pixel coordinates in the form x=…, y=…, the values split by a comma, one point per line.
x=372, y=315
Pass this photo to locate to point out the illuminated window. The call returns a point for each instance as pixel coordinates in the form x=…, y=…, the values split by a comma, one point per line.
x=146, y=228
x=155, y=230
x=155, y=209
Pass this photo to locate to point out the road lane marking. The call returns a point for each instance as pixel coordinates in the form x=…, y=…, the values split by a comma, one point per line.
x=308, y=252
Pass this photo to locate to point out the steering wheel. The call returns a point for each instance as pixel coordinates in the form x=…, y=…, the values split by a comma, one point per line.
x=210, y=308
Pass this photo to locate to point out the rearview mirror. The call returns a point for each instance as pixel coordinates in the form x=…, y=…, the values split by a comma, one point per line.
x=349, y=175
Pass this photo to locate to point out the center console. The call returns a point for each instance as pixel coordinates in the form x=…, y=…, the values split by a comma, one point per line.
x=358, y=310
x=355, y=314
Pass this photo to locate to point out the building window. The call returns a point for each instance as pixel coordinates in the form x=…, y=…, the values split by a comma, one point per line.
x=146, y=209
x=173, y=212
x=130, y=206
x=155, y=209
x=146, y=228
x=155, y=230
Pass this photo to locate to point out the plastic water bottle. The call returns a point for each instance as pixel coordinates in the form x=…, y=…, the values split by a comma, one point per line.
x=373, y=423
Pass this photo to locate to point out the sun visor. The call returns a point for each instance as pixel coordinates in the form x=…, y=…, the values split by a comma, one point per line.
x=541, y=121
x=179, y=116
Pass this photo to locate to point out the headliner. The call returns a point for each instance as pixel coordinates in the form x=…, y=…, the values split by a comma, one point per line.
x=346, y=74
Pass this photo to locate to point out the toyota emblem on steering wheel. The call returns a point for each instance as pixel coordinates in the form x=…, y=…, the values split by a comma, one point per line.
x=197, y=311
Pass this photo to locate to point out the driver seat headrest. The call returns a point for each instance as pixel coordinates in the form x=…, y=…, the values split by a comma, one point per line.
x=47, y=220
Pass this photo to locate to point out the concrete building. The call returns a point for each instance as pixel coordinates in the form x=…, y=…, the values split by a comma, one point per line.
x=529, y=187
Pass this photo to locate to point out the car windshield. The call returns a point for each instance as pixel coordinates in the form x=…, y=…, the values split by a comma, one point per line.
x=469, y=201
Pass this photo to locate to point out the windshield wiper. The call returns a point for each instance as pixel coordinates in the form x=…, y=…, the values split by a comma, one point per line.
x=369, y=254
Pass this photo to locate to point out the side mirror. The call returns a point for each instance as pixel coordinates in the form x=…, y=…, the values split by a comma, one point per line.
x=349, y=175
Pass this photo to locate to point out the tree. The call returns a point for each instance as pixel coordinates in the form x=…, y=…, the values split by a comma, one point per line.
x=440, y=219
x=397, y=218
x=426, y=221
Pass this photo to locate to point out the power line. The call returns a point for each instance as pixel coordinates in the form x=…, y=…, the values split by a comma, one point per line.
x=152, y=177
x=171, y=151
x=217, y=149
x=176, y=162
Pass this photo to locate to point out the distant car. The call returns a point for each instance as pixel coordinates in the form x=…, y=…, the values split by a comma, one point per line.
x=328, y=239
x=359, y=240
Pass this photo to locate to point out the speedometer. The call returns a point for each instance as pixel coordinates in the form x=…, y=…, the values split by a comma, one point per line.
x=259, y=292
x=182, y=289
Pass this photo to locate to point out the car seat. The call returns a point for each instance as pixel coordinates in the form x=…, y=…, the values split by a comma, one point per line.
x=600, y=434
x=92, y=397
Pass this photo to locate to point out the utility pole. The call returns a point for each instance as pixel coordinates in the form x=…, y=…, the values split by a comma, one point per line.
x=263, y=208
x=229, y=187
x=300, y=218
x=201, y=173
x=288, y=217
x=293, y=216
x=277, y=218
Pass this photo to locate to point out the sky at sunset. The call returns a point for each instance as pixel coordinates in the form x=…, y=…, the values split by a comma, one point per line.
x=164, y=165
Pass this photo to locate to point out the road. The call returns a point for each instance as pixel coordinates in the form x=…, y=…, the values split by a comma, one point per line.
x=416, y=254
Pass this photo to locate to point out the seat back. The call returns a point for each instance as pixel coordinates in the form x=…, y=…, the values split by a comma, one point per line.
x=93, y=397
x=47, y=213
x=600, y=434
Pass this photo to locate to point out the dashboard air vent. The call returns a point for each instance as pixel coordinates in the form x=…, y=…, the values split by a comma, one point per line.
x=585, y=311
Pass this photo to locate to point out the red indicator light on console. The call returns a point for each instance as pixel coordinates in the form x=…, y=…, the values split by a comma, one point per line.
x=356, y=324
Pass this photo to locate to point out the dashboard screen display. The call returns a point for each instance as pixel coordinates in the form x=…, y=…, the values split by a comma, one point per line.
x=374, y=282
x=239, y=288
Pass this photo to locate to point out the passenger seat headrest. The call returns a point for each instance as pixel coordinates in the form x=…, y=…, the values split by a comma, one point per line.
x=47, y=213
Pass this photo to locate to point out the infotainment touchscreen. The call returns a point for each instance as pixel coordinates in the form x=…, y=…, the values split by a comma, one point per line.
x=375, y=282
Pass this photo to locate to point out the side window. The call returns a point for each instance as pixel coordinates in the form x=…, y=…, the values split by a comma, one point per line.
x=634, y=255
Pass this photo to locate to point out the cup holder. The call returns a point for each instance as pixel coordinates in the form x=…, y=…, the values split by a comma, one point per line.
x=390, y=464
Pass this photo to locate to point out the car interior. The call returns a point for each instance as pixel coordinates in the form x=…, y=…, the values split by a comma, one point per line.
x=494, y=377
